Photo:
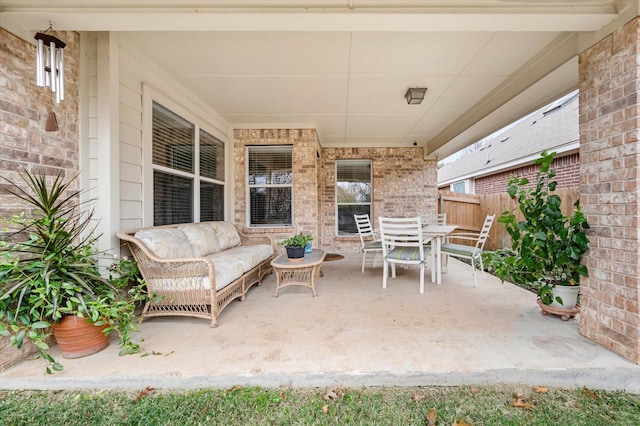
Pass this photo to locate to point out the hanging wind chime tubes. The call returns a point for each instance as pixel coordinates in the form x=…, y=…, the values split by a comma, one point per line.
x=50, y=63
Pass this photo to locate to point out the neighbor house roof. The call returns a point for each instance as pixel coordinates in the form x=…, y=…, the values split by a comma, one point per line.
x=552, y=128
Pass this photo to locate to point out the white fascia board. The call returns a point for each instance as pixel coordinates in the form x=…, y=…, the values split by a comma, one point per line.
x=203, y=19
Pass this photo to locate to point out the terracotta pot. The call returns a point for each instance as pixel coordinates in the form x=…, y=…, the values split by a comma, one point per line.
x=77, y=337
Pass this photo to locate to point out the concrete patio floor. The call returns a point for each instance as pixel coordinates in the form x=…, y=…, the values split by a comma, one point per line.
x=355, y=333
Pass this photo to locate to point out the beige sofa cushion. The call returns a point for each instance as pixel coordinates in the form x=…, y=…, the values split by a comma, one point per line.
x=227, y=234
x=247, y=256
x=201, y=237
x=225, y=272
x=167, y=243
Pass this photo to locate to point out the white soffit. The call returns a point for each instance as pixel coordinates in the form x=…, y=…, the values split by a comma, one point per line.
x=342, y=66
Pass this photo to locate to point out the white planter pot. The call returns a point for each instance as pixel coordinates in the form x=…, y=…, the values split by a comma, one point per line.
x=568, y=295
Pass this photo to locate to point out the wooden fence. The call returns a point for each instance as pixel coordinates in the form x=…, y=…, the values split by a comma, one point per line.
x=468, y=212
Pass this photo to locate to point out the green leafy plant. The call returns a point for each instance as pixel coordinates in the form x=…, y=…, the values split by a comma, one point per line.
x=298, y=240
x=547, y=246
x=49, y=268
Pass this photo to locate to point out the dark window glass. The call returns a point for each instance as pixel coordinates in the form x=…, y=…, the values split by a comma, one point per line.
x=172, y=199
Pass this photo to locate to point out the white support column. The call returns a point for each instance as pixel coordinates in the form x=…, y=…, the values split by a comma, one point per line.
x=105, y=161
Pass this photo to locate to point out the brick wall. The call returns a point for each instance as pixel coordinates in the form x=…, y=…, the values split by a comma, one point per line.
x=305, y=178
x=24, y=144
x=24, y=108
x=404, y=184
x=610, y=173
x=567, y=168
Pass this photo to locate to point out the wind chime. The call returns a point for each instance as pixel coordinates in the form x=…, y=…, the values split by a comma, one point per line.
x=50, y=69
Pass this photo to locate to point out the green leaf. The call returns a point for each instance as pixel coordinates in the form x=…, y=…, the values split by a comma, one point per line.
x=40, y=325
x=18, y=339
x=582, y=270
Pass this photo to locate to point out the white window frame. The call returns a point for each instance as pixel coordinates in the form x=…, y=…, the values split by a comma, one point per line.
x=370, y=203
x=468, y=186
x=266, y=148
x=149, y=96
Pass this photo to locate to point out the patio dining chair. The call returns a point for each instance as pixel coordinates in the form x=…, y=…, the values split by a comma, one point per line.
x=439, y=219
x=402, y=243
x=368, y=241
x=473, y=249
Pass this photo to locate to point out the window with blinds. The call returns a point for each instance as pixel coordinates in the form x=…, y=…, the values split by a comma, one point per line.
x=353, y=193
x=188, y=170
x=270, y=185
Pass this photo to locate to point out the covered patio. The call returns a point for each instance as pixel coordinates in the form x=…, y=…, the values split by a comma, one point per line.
x=355, y=333
x=325, y=82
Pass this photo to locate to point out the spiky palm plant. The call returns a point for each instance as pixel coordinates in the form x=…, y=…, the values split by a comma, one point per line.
x=51, y=269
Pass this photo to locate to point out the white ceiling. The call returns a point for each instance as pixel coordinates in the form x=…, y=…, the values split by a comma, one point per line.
x=343, y=67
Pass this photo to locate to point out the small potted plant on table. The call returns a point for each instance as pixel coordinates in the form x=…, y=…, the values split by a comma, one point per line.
x=547, y=246
x=295, y=246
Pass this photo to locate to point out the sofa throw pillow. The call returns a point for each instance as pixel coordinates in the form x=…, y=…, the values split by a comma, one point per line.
x=227, y=234
x=202, y=238
x=168, y=243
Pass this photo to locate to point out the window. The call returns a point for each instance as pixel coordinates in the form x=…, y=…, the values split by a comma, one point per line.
x=458, y=187
x=270, y=185
x=353, y=193
x=463, y=186
x=188, y=170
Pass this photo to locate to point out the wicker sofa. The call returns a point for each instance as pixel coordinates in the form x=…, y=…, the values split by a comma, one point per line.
x=197, y=269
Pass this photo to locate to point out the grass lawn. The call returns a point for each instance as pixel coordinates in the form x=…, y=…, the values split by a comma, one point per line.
x=431, y=406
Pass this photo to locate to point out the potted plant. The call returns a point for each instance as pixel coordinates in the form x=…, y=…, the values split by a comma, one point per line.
x=547, y=246
x=50, y=275
x=296, y=245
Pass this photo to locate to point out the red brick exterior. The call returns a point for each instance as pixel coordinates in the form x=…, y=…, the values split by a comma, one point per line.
x=24, y=144
x=610, y=172
x=24, y=108
x=567, y=169
x=314, y=184
x=305, y=178
x=404, y=184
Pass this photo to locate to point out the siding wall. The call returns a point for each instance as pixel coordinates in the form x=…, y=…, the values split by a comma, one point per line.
x=138, y=81
x=130, y=142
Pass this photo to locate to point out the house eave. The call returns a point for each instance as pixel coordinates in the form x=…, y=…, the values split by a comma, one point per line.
x=566, y=149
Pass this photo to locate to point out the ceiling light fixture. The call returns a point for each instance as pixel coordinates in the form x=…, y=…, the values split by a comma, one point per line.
x=415, y=95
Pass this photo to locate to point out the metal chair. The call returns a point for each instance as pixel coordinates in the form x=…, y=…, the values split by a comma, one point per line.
x=368, y=241
x=470, y=252
x=402, y=243
x=439, y=219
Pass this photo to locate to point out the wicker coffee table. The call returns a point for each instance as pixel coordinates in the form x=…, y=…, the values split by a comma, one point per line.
x=303, y=273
